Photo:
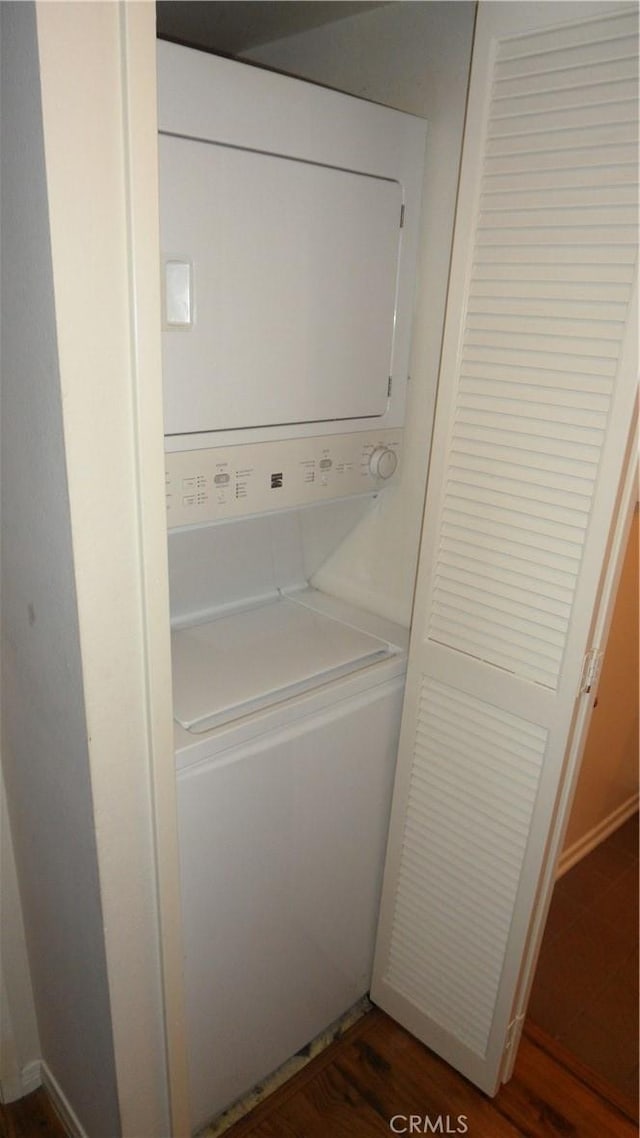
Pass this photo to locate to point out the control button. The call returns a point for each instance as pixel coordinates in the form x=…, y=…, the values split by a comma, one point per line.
x=188, y=483
x=189, y=500
x=382, y=462
x=325, y=464
x=222, y=479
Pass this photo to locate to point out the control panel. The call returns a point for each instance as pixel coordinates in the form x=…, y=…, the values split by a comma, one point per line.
x=229, y=482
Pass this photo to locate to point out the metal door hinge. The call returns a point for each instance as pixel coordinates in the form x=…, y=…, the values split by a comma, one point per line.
x=402, y=216
x=513, y=1032
x=591, y=670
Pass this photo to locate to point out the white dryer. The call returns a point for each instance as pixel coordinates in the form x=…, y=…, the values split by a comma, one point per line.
x=288, y=715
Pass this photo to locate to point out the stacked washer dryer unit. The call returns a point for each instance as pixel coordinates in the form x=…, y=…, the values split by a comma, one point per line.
x=289, y=222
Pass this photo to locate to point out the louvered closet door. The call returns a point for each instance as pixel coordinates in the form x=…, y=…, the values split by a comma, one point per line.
x=534, y=411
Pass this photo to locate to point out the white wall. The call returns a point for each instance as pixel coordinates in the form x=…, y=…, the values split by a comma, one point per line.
x=44, y=744
x=88, y=727
x=19, y=1041
x=414, y=56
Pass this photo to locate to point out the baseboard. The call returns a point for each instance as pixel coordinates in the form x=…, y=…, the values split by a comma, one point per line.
x=594, y=1081
x=599, y=833
x=61, y=1104
x=28, y=1080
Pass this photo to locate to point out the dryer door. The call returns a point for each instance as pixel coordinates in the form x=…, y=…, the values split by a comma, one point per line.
x=280, y=288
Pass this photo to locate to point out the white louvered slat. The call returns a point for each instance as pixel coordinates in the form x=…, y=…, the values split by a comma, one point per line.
x=501, y=495
x=602, y=220
x=561, y=140
x=450, y=930
x=527, y=361
x=563, y=382
x=553, y=579
x=505, y=282
x=530, y=427
x=569, y=505
x=558, y=473
x=610, y=161
x=505, y=546
x=521, y=593
x=530, y=417
x=555, y=122
x=520, y=391
x=572, y=442
x=559, y=307
x=571, y=76
x=586, y=94
x=540, y=480
x=592, y=334
x=531, y=627
x=495, y=450
x=617, y=47
x=545, y=361
x=504, y=495
x=615, y=258
x=568, y=193
x=557, y=233
x=574, y=177
x=554, y=47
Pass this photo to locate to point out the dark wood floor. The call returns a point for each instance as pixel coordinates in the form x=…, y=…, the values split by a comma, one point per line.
x=585, y=993
x=31, y=1117
x=378, y=1071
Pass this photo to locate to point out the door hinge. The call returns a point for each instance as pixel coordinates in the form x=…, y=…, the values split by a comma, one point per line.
x=402, y=216
x=591, y=670
x=513, y=1032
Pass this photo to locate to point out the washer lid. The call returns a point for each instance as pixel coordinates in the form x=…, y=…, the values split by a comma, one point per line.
x=248, y=660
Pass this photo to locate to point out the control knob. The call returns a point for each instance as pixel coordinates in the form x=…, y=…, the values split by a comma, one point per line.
x=382, y=462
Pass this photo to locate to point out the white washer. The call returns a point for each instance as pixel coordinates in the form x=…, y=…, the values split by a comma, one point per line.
x=283, y=814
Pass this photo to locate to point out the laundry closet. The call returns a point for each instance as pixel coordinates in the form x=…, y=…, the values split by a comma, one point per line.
x=290, y=219
x=277, y=681
x=528, y=483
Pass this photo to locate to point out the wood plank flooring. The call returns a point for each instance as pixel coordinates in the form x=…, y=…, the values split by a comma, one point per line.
x=585, y=992
x=31, y=1117
x=377, y=1072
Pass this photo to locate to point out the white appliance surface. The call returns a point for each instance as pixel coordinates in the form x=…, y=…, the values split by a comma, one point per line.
x=289, y=219
x=213, y=567
x=283, y=818
x=195, y=748
x=290, y=226
x=246, y=660
x=294, y=288
x=223, y=483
